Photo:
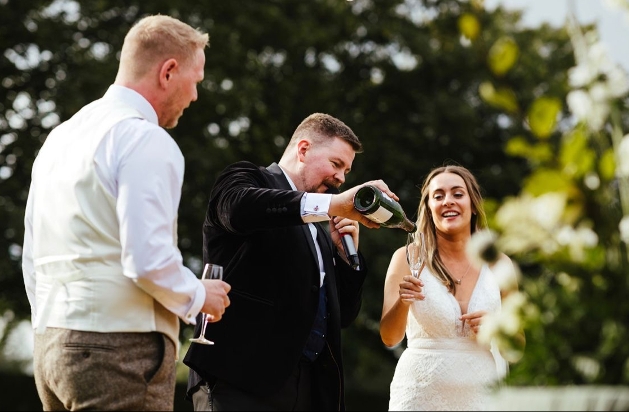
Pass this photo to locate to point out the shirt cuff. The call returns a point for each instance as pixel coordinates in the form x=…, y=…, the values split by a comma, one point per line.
x=197, y=305
x=315, y=207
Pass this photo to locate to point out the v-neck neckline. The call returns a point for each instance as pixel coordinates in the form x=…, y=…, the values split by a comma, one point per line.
x=456, y=301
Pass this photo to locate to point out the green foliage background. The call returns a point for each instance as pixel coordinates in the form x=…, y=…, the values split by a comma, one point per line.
x=270, y=64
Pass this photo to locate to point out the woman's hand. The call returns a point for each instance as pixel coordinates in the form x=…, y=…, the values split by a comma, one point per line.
x=474, y=320
x=411, y=289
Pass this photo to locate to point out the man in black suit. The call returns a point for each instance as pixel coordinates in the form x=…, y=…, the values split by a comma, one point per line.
x=278, y=347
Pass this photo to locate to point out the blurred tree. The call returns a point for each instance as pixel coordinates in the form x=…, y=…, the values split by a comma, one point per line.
x=419, y=81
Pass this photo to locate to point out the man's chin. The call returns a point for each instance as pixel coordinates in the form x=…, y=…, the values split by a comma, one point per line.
x=170, y=124
x=330, y=189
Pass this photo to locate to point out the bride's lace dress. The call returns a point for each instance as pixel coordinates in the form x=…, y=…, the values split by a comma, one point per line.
x=443, y=368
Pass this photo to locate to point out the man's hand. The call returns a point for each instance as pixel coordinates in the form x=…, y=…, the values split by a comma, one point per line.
x=216, y=299
x=342, y=204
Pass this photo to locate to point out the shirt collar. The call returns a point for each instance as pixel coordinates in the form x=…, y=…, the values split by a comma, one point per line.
x=133, y=99
x=290, y=182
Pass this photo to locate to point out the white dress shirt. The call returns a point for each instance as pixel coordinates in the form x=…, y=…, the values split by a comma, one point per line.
x=147, y=194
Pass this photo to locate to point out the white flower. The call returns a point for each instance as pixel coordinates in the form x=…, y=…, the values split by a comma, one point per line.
x=507, y=321
x=587, y=237
x=507, y=275
x=592, y=181
x=599, y=93
x=527, y=222
x=588, y=107
x=622, y=167
x=510, y=322
x=617, y=82
x=598, y=55
x=577, y=240
x=624, y=229
x=481, y=248
x=564, y=235
x=591, y=107
x=513, y=302
x=580, y=104
x=580, y=75
x=489, y=328
x=587, y=366
x=548, y=209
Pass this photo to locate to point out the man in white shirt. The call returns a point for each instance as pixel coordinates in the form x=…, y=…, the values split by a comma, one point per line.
x=103, y=274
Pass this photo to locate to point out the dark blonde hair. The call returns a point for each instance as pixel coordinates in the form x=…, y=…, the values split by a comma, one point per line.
x=426, y=226
x=321, y=127
x=154, y=39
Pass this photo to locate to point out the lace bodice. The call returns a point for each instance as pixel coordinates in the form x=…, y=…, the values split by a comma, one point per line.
x=443, y=367
x=437, y=316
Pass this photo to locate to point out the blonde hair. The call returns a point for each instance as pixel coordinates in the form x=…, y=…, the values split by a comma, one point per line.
x=426, y=226
x=154, y=39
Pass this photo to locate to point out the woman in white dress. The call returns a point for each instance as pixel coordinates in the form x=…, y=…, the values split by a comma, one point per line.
x=442, y=367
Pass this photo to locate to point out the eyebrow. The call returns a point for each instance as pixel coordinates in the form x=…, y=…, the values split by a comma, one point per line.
x=440, y=189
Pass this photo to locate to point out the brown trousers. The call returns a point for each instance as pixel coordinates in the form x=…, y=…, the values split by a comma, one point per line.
x=77, y=370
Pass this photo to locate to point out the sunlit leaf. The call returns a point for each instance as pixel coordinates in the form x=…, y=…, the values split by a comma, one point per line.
x=501, y=98
x=469, y=26
x=607, y=164
x=542, y=116
x=546, y=180
x=576, y=157
x=518, y=146
x=538, y=153
x=503, y=55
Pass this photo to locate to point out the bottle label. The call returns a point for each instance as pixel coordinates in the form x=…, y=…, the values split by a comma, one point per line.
x=381, y=215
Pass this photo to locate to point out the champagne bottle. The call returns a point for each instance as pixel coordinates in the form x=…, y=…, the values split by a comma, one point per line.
x=380, y=208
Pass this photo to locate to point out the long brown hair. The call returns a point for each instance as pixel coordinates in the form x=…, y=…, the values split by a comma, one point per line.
x=426, y=226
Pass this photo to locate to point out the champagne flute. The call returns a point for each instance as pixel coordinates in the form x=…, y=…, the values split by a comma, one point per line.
x=413, y=252
x=210, y=271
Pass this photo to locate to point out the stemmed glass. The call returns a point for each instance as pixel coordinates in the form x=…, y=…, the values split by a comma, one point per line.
x=210, y=271
x=413, y=252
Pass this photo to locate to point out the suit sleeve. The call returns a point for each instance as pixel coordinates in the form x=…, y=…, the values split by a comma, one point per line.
x=242, y=202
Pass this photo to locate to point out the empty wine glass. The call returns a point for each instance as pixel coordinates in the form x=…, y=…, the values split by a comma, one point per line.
x=413, y=252
x=210, y=271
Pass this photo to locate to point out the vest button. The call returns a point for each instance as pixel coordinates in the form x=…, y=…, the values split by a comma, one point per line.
x=314, y=289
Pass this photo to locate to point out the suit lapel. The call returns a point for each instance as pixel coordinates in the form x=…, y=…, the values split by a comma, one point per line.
x=280, y=182
x=311, y=245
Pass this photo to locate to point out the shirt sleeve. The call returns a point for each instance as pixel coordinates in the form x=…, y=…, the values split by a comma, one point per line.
x=144, y=170
x=28, y=267
x=315, y=207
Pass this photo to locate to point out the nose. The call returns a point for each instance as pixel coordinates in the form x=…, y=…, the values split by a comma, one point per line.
x=340, y=176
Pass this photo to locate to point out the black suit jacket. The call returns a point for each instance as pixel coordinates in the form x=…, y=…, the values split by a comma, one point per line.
x=256, y=232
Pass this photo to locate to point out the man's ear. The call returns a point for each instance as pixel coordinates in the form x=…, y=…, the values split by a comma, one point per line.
x=167, y=71
x=302, y=148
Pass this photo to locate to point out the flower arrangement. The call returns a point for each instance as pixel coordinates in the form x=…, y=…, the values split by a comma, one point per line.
x=568, y=234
